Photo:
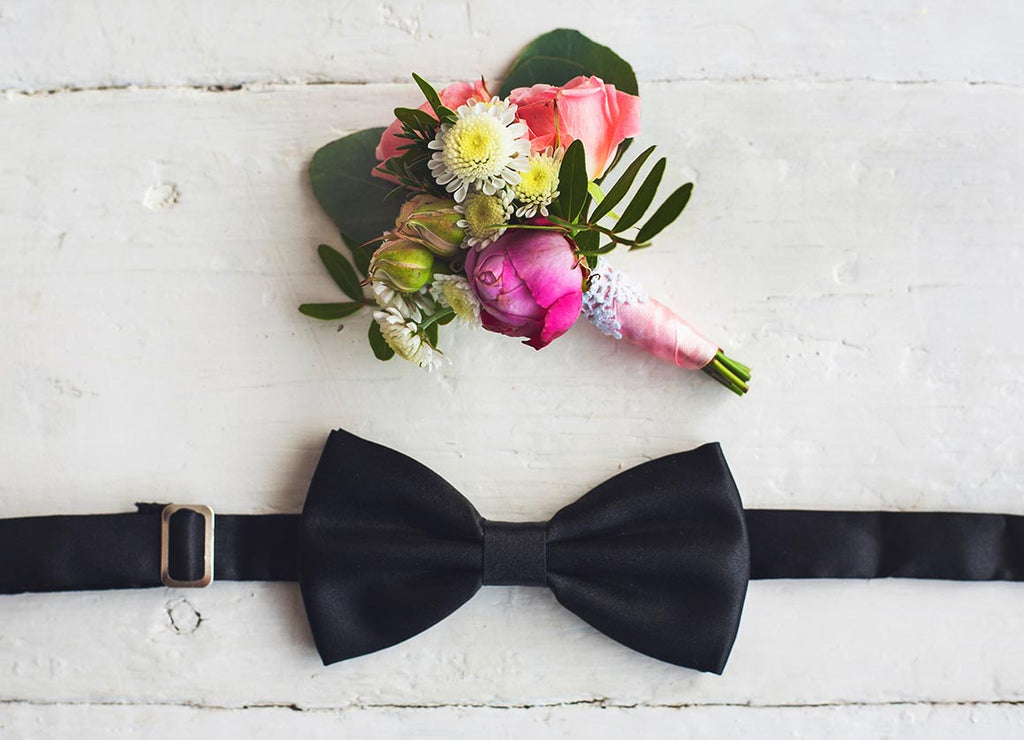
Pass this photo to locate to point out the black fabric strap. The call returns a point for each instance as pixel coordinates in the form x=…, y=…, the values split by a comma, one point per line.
x=885, y=544
x=105, y=551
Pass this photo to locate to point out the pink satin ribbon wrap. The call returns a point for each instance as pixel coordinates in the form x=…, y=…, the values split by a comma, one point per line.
x=620, y=307
x=663, y=333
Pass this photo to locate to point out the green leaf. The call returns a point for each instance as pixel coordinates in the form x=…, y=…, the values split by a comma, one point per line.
x=432, y=334
x=594, y=251
x=329, y=311
x=620, y=150
x=572, y=182
x=361, y=256
x=342, y=271
x=621, y=186
x=559, y=221
x=416, y=119
x=444, y=115
x=667, y=213
x=558, y=56
x=380, y=348
x=587, y=241
x=642, y=200
x=355, y=200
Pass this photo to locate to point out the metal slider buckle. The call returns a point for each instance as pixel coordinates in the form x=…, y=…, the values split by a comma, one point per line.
x=165, y=524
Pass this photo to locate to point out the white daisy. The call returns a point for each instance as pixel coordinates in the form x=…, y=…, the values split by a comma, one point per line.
x=484, y=149
x=484, y=218
x=410, y=305
x=454, y=292
x=539, y=184
x=405, y=338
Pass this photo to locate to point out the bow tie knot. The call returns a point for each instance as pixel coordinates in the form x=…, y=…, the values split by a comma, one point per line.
x=515, y=553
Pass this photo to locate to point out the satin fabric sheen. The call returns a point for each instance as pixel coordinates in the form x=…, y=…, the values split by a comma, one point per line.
x=663, y=333
x=656, y=557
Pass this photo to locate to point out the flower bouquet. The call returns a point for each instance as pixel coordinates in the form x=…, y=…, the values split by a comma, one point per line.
x=497, y=210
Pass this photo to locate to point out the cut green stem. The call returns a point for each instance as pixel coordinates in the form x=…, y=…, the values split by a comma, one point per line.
x=730, y=373
x=738, y=368
x=441, y=315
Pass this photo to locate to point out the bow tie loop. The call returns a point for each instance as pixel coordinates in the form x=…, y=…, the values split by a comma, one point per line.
x=515, y=553
x=656, y=557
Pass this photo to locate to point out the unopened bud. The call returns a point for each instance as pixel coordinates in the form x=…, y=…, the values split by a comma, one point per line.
x=431, y=222
x=402, y=265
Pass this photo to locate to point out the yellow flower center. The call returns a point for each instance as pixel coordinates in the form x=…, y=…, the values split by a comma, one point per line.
x=459, y=301
x=539, y=181
x=484, y=214
x=474, y=146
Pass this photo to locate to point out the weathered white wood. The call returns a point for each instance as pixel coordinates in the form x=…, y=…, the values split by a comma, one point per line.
x=858, y=243
x=48, y=44
x=912, y=722
x=152, y=351
x=800, y=644
x=861, y=252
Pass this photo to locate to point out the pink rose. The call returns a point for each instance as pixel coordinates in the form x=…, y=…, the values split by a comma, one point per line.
x=451, y=97
x=585, y=108
x=529, y=284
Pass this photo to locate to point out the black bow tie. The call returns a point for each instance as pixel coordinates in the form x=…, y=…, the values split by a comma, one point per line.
x=657, y=558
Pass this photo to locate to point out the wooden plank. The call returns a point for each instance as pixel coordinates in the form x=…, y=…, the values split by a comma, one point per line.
x=237, y=645
x=51, y=44
x=852, y=248
x=859, y=245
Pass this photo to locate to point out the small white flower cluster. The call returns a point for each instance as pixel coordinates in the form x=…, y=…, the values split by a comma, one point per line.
x=399, y=322
x=454, y=292
x=483, y=159
x=402, y=313
x=406, y=338
x=409, y=305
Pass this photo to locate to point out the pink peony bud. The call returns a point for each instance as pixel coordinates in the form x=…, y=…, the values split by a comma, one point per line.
x=529, y=283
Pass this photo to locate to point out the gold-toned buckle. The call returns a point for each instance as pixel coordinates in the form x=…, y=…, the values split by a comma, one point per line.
x=165, y=524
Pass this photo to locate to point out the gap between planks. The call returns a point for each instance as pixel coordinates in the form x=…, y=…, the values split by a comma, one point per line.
x=598, y=703
x=272, y=84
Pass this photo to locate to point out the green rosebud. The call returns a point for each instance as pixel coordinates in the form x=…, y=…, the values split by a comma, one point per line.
x=403, y=265
x=431, y=222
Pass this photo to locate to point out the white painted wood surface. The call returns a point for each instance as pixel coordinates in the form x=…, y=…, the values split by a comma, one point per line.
x=855, y=235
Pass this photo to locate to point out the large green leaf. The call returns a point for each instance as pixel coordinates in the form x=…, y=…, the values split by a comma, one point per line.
x=354, y=199
x=342, y=271
x=558, y=56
